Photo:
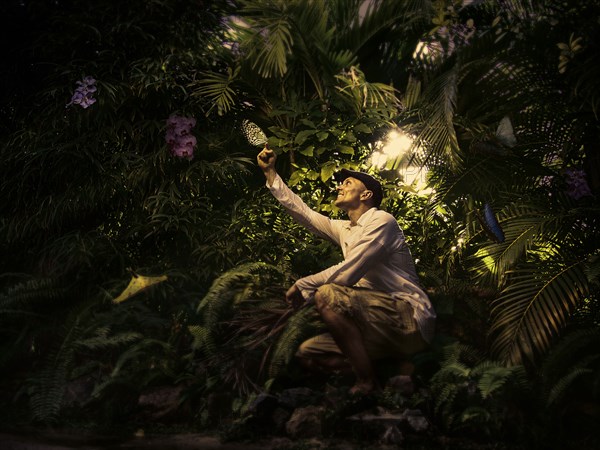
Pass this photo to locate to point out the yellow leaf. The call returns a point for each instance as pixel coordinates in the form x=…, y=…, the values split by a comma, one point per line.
x=137, y=285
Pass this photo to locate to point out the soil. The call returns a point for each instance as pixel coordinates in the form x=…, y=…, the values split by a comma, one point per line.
x=63, y=441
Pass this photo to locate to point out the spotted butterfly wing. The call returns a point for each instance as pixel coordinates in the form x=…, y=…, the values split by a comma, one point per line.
x=254, y=135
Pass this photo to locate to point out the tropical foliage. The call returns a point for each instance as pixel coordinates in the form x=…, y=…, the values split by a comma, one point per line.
x=122, y=144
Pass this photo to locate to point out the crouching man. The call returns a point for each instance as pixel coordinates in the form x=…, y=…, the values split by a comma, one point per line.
x=371, y=302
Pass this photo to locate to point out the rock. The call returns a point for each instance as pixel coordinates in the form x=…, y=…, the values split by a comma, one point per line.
x=392, y=435
x=296, y=397
x=160, y=403
x=263, y=406
x=379, y=417
x=280, y=417
x=306, y=423
x=416, y=419
x=402, y=384
x=379, y=420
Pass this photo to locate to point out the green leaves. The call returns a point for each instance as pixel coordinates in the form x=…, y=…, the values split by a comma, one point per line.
x=271, y=56
x=472, y=392
x=217, y=88
x=534, y=307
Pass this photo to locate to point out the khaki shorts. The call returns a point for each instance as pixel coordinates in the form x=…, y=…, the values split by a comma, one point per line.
x=387, y=324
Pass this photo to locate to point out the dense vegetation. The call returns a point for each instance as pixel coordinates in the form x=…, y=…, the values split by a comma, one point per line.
x=124, y=157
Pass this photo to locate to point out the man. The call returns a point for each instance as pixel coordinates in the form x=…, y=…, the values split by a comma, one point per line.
x=371, y=302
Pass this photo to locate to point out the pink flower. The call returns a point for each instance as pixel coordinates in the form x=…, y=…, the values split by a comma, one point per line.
x=179, y=137
x=83, y=93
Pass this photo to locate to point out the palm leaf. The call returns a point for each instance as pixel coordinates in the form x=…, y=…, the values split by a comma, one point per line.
x=533, y=308
x=576, y=351
x=523, y=226
x=433, y=119
x=560, y=388
x=217, y=87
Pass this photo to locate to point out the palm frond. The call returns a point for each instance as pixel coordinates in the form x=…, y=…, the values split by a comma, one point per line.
x=533, y=309
x=217, y=88
x=523, y=225
x=560, y=388
x=360, y=94
x=434, y=128
x=575, y=356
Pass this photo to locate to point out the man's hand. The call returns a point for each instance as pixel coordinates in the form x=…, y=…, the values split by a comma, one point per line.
x=266, y=161
x=294, y=298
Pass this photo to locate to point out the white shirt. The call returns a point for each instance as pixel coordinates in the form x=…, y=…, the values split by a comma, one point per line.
x=376, y=255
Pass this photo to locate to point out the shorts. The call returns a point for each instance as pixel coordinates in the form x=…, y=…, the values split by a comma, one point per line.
x=387, y=324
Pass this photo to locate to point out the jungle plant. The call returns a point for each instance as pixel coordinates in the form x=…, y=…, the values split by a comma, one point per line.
x=501, y=160
x=570, y=384
x=92, y=191
x=248, y=335
x=295, y=69
x=476, y=394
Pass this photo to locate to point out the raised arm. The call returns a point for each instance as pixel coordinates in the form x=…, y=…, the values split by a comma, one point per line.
x=266, y=161
x=315, y=222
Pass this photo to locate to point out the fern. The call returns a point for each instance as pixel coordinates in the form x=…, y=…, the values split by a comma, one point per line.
x=22, y=297
x=494, y=378
x=47, y=388
x=299, y=328
x=560, y=388
x=246, y=328
x=476, y=392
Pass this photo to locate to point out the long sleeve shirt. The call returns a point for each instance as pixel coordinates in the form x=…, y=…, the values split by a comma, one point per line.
x=376, y=255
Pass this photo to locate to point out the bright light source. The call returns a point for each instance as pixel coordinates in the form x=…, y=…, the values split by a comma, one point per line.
x=378, y=159
x=395, y=147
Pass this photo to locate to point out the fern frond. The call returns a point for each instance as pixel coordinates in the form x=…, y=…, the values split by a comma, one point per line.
x=105, y=342
x=474, y=414
x=24, y=297
x=299, y=328
x=494, y=378
x=48, y=386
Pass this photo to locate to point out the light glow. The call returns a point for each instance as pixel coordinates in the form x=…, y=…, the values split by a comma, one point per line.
x=395, y=151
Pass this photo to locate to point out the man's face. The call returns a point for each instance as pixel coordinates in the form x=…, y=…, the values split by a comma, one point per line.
x=349, y=192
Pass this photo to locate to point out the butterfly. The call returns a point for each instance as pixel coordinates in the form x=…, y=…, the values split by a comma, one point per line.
x=253, y=133
x=503, y=139
x=137, y=284
x=490, y=224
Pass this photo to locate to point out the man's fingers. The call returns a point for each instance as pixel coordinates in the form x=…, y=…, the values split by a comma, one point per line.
x=265, y=155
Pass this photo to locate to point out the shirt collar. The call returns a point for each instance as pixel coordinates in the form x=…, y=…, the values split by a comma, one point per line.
x=362, y=219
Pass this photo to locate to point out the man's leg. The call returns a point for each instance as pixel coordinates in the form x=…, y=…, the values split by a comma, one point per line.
x=348, y=337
